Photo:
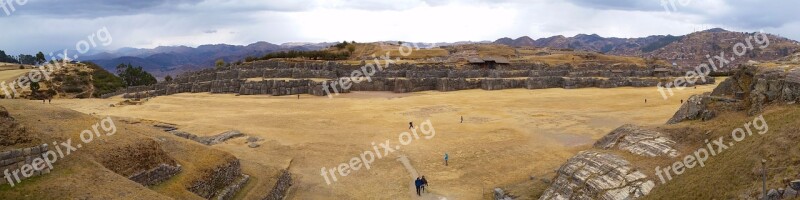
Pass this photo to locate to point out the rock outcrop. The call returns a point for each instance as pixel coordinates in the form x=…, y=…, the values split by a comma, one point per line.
x=639, y=141
x=598, y=175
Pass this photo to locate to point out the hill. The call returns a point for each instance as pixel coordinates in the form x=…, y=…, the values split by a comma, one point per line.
x=162, y=61
x=688, y=50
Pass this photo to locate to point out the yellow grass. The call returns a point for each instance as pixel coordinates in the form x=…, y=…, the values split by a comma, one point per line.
x=506, y=136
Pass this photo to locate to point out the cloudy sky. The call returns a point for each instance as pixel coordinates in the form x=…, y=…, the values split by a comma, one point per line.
x=49, y=25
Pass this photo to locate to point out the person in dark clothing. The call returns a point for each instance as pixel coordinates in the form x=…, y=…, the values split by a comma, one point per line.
x=681, y=101
x=418, y=184
x=424, y=184
x=410, y=125
x=462, y=119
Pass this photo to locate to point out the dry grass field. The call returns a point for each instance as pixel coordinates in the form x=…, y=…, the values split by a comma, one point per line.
x=506, y=137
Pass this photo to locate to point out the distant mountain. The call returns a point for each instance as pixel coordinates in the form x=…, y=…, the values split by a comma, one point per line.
x=519, y=42
x=687, y=50
x=172, y=60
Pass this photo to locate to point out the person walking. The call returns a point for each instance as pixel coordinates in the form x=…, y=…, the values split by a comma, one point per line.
x=418, y=184
x=446, y=157
x=410, y=125
x=681, y=101
x=424, y=184
x=462, y=119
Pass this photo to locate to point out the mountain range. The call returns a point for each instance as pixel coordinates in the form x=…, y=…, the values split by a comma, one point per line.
x=686, y=50
x=171, y=60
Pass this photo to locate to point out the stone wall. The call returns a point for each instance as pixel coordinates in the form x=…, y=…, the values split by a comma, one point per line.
x=400, y=78
x=281, y=186
x=156, y=175
x=217, y=180
x=14, y=159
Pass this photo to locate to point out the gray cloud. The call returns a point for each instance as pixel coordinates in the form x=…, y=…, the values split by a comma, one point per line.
x=48, y=25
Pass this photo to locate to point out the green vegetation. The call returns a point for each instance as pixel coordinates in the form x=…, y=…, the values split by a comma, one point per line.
x=168, y=78
x=661, y=43
x=135, y=76
x=104, y=82
x=35, y=87
x=40, y=58
x=219, y=63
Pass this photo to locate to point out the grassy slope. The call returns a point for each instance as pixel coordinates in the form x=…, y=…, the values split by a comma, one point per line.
x=735, y=171
x=82, y=175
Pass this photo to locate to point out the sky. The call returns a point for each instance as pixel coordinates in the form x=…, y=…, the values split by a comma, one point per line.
x=50, y=25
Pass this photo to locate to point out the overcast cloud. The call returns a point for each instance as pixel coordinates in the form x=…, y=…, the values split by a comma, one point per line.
x=50, y=25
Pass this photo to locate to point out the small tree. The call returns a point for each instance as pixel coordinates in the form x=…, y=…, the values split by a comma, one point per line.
x=21, y=67
x=351, y=48
x=168, y=78
x=40, y=58
x=35, y=87
x=219, y=63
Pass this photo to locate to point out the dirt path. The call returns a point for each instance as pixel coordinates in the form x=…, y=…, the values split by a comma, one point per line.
x=411, y=187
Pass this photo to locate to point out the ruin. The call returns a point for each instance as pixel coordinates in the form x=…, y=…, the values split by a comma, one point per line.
x=288, y=78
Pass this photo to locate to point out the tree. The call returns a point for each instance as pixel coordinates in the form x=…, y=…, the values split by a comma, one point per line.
x=135, y=76
x=219, y=63
x=351, y=48
x=168, y=78
x=40, y=58
x=35, y=87
x=26, y=59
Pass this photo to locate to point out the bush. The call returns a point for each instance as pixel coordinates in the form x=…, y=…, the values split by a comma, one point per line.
x=73, y=89
x=21, y=67
x=104, y=82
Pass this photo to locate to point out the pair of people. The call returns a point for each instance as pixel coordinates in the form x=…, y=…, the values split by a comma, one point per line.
x=421, y=183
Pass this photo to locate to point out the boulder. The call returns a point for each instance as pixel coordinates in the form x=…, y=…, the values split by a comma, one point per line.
x=253, y=145
x=772, y=194
x=639, y=141
x=795, y=184
x=598, y=175
x=692, y=109
x=789, y=193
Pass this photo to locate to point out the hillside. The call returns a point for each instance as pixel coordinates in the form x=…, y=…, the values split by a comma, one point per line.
x=129, y=161
x=687, y=50
x=163, y=61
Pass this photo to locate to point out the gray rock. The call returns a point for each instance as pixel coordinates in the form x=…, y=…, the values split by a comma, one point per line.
x=639, y=141
x=598, y=175
x=708, y=115
x=253, y=139
x=691, y=110
x=795, y=184
x=500, y=195
x=789, y=193
x=253, y=145
x=772, y=194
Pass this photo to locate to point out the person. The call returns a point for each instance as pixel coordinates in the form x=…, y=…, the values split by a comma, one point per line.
x=424, y=184
x=298, y=96
x=681, y=101
x=410, y=125
x=418, y=184
x=462, y=119
x=645, y=100
x=446, y=157
x=50, y=100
